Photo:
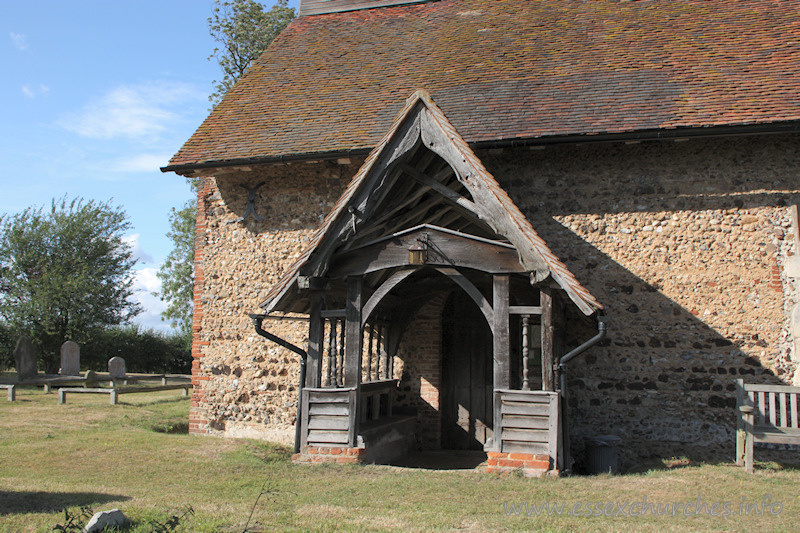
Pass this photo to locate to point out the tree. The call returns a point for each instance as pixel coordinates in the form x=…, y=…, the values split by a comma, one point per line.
x=177, y=272
x=244, y=30
x=65, y=272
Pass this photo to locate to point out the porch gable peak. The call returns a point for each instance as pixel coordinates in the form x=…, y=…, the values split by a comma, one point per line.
x=423, y=174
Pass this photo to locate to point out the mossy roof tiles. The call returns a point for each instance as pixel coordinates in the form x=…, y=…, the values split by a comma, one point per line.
x=510, y=69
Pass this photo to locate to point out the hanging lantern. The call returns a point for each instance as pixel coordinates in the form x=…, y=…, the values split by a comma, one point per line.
x=417, y=252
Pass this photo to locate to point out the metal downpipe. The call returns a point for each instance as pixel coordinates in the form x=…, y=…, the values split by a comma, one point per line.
x=561, y=370
x=257, y=321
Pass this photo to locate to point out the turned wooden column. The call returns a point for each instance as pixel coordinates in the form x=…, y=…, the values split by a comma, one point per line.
x=526, y=327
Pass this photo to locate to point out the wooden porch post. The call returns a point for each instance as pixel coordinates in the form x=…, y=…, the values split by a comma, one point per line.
x=353, y=332
x=316, y=332
x=500, y=346
x=502, y=368
x=548, y=335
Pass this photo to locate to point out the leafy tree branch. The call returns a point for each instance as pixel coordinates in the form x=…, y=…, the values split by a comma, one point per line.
x=243, y=29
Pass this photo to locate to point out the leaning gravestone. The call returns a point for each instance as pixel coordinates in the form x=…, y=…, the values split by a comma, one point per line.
x=70, y=359
x=25, y=359
x=116, y=368
x=91, y=378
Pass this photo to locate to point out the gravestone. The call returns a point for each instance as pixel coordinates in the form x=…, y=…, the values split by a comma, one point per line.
x=70, y=359
x=91, y=378
x=116, y=367
x=25, y=359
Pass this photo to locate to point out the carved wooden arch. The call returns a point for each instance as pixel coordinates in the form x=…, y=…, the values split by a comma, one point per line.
x=473, y=292
x=451, y=273
x=385, y=288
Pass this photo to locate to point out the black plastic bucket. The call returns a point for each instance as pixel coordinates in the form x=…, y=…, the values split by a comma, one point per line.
x=601, y=454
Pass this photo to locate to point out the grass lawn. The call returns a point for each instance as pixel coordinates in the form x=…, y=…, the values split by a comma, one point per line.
x=89, y=453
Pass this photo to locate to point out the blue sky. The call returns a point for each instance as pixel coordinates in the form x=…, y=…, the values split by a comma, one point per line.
x=97, y=95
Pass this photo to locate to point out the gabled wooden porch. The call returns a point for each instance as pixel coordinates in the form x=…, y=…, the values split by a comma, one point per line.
x=420, y=222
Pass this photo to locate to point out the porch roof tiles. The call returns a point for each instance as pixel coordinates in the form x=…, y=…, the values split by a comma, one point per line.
x=510, y=70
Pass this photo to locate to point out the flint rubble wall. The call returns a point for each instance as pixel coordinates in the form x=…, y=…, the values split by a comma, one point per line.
x=685, y=244
x=249, y=386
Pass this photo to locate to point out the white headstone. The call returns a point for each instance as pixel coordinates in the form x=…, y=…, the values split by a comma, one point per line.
x=70, y=359
x=25, y=359
x=116, y=367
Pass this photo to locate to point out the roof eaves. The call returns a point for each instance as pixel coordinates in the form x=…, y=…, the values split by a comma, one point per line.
x=788, y=126
x=655, y=134
x=264, y=160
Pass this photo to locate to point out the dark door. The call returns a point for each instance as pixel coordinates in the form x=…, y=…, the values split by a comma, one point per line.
x=466, y=375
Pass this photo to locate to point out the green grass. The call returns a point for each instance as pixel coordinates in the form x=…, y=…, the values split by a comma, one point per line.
x=136, y=456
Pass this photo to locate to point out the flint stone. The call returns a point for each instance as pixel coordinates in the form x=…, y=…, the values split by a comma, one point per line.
x=70, y=359
x=116, y=367
x=25, y=359
x=100, y=521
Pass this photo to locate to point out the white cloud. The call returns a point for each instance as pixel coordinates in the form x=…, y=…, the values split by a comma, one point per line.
x=19, y=40
x=145, y=283
x=144, y=258
x=32, y=91
x=134, y=112
x=147, y=280
x=140, y=163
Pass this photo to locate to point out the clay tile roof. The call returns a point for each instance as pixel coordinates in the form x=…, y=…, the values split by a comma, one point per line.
x=511, y=69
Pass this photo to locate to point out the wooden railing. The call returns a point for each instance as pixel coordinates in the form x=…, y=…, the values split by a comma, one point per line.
x=328, y=417
x=376, y=399
x=765, y=413
x=526, y=422
x=332, y=416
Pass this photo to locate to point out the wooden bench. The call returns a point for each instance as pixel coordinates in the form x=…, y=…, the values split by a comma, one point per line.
x=54, y=383
x=65, y=381
x=136, y=378
x=114, y=392
x=11, y=391
x=765, y=413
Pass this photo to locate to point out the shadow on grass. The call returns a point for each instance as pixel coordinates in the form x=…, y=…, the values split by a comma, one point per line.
x=160, y=401
x=172, y=428
x=270, y=452
x=777, y=466
x=441, y=460
x=663, y=464
x=771, y=460
x=12, y=502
